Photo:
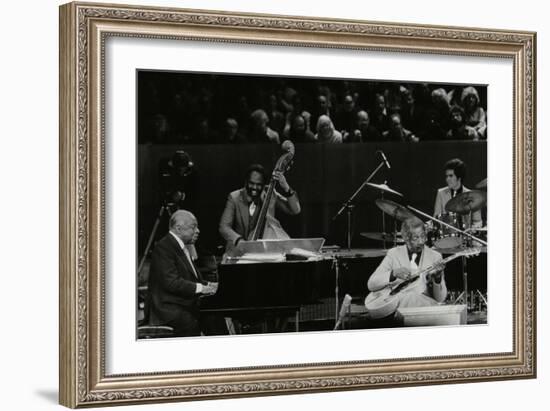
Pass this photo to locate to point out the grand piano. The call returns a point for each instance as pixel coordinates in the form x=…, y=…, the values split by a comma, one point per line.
x=264, y=279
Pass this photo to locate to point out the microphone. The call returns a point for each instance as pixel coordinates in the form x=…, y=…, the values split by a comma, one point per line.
x=343, y=310
x=385, y=159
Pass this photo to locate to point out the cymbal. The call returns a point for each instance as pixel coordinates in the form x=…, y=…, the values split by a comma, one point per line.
x=395, y=210
x=467, y=201
x=384, y=187
x=445, y=251
x=387, y=237
x=482, y=184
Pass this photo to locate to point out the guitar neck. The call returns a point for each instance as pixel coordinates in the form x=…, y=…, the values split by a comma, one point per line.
x=444, y=262
x=429, y=268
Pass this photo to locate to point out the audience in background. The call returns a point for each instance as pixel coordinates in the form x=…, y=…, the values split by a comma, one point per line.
x=397, y=132
x=326, y=132
x=475, y=115
x=459, y=130
x=298, y=130
x=363, y=131
x=259, y=129
x=188, y=108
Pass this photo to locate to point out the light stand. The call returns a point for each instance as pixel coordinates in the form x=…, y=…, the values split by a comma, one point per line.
x=163, y=209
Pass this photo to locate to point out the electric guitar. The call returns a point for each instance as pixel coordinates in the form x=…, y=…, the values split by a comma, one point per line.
x=385, y=301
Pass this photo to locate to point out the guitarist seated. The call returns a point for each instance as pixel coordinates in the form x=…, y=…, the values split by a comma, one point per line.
x=407, y=264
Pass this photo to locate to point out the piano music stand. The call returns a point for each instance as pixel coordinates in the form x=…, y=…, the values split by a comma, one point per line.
x=279, y=246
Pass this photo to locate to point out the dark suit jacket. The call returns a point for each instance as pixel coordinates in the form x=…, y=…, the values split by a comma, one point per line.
x=235, y=220
x=172, y=283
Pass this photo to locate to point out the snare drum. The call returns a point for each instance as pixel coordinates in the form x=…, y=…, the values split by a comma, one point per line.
x=445, y=236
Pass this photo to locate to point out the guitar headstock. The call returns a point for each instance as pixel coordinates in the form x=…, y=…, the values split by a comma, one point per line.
x=469, y=252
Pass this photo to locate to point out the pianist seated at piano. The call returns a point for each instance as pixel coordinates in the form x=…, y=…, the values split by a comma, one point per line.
x=408, y=263
x=243, y=206
x=175, y=282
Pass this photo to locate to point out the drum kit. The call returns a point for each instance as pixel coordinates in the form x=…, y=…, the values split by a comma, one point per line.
x=447, y=232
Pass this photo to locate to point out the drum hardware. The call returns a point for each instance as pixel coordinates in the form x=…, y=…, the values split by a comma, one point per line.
x=482, y=184
x=336, y=266
x=385, y=189
x=474, y=202
x=467, y=202
x=397, y=211
x=458, y=230
x=442, y=236
x=348, y=206
x=394, y=209
x=386, y=237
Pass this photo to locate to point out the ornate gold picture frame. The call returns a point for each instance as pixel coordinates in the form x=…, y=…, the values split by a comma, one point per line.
x=84, y=30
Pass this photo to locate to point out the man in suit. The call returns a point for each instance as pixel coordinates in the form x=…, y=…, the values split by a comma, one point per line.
x=455, y=173
x=403, y=262
x=243, y=207
x=175, y=283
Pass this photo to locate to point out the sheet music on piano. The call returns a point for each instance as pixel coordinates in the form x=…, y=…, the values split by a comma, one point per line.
x=261, y=251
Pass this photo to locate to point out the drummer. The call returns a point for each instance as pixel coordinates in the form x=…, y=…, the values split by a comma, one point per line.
x=455, y=174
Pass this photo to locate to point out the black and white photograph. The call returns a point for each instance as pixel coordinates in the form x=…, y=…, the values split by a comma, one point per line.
x=258, y=202
x=273, y=204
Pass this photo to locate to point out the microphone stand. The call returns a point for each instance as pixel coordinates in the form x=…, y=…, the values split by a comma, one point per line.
x=348, y=206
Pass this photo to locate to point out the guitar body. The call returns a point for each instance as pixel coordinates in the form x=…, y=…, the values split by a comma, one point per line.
x=384, y=302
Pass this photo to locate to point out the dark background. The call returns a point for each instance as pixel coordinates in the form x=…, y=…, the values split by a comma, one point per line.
x=324, y=176
x=172, y=105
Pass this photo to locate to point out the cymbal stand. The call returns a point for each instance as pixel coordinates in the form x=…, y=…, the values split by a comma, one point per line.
x=347, y=205
x=394, y=232
x=482, y=298
x=464, y=293
x=349, y=212
x=383, y=222
x=458, y=230
x=336, y=266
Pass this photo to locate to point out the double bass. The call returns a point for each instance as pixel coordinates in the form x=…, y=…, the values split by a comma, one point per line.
x=266, y=227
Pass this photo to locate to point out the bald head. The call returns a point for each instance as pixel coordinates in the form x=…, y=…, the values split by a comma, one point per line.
x=362, y=119
x=182, y=217
x=184, y=224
